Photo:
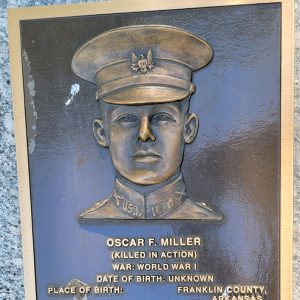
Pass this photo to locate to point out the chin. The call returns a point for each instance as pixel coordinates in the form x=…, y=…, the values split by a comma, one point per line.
x=149, y=178
x=150, y=181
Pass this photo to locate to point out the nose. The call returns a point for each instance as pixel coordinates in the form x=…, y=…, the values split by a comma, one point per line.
x=145, y=132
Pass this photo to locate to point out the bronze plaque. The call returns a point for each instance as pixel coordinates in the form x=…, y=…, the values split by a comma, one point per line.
x=155, y=150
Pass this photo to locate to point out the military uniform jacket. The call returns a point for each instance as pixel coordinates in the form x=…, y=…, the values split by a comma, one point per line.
x=168, y=202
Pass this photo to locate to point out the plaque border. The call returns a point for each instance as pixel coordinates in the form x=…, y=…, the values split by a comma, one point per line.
x=15, y=15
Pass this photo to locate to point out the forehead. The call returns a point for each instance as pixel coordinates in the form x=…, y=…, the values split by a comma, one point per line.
x=172, y=108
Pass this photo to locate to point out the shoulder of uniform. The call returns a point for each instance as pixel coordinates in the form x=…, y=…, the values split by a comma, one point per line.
x=195, y=210
x=101, y=210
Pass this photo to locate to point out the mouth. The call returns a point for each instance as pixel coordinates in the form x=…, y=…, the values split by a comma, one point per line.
x=148, y=156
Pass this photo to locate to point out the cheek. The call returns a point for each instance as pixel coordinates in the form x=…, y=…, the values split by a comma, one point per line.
x=171, y=139
x=121, y=140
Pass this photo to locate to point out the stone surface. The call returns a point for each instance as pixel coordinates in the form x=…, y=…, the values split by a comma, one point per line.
x=297, y=155
x=11, y=271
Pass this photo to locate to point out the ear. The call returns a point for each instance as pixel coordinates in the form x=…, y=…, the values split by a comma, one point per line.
x=99, y=132
x=190, y=128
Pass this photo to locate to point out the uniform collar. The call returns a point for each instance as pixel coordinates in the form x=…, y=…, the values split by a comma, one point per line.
x=153, y=205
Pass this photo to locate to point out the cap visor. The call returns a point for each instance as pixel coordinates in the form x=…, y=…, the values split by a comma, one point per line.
x=140, y=95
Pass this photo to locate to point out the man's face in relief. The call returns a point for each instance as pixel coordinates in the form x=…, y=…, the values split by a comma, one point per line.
x=146, y=142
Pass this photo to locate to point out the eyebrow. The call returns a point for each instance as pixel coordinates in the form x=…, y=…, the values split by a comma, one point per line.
x=121, y=110
x=125, y=109
x=166, y=108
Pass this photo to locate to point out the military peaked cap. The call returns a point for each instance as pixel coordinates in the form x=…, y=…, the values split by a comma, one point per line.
x=142, y=64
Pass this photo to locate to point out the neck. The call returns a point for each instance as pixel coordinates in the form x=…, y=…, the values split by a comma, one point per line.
x=146, y=189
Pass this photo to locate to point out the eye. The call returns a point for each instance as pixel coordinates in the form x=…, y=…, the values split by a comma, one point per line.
x=124, y=119
x=162, y=117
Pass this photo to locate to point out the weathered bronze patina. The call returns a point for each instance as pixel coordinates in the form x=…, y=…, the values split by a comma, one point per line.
x=144, y=83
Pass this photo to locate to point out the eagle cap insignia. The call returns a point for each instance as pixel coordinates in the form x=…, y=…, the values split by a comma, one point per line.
x=140, y=62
